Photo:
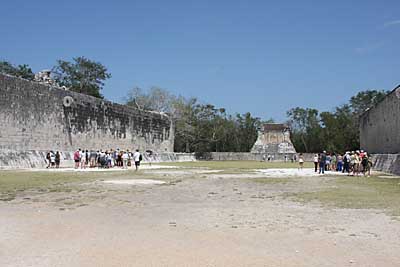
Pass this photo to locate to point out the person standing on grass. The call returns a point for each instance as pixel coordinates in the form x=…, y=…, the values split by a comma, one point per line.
x=137, y=157
x=356, y=169
x=48, y=160
x=346, y=162
x=316, y=160
x=150, y=157
x=339, y=162
x=52, y=159
x=352, y=163
x=87, y=158
x=333, y=162
x=365, y=163
x=58, y=159
x=125, y=157
x=328, y=162
x=301, y=161
x=83, y=159
x=77, y=158
x=322, y=162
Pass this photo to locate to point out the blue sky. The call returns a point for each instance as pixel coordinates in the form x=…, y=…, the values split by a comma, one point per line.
x=264, y=57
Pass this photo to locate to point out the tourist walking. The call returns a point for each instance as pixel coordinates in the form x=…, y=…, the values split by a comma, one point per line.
x=137, y=157
x=301, y=161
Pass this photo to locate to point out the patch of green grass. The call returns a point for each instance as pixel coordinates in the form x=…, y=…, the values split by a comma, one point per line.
x=224, y=165
x=13, y=182
x=359, y=193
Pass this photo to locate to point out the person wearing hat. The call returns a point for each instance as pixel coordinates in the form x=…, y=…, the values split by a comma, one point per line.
x=366, y=164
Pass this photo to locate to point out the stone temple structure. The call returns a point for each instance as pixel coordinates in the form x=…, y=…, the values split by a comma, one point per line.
x=36, y=117
x=274, y=138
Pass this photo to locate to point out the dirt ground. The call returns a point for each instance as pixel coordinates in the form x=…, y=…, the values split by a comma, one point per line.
x=196, y=217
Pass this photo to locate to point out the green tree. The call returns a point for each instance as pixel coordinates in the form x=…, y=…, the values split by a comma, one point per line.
x=247, y=131
x=156, y=99
x=306, y=129
x=22, y=71
x=82, y=75
x=336, y=131
x=365, y=100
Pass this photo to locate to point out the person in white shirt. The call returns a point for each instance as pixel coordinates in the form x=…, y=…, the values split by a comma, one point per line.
x=137, y=157
x=316, y=160
x=83, y=159
x=125, y=157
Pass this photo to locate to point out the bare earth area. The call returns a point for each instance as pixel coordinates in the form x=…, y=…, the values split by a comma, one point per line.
x=194, y=216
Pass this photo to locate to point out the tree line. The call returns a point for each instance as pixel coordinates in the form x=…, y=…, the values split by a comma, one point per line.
x=203, y=127
x=82, y=75
x=199, y=127
x=336, y=131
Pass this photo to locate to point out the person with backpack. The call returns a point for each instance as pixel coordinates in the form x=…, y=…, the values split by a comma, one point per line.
x=365, y=162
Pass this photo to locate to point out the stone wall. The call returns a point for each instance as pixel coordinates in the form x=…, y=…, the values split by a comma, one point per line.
x=38, y=117
x=389, y=163
x=380, y=126
x=232, y=156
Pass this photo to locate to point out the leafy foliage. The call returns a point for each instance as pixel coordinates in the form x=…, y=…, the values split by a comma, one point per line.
x=199, y=127
x=22, y=71
x=83, y=76
x=336, y=131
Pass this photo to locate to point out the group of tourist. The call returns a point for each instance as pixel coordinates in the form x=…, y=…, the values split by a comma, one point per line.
x=353, y=163
x=102, y=159
x=107, y=159
x=53, y=159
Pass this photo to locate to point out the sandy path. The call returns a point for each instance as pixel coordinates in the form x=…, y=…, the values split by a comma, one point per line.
x=197, y=222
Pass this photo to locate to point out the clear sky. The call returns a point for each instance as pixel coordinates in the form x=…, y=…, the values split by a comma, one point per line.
x=264, y=57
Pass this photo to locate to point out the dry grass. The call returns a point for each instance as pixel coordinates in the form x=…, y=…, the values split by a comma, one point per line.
x=359, y=193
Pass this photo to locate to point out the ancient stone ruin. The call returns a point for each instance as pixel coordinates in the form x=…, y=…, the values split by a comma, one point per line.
x=38, y=116
x=274, y=138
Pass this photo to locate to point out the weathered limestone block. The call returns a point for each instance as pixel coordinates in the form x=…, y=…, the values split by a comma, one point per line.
x=274, y=138
x=40, y=117
x=380, y=126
